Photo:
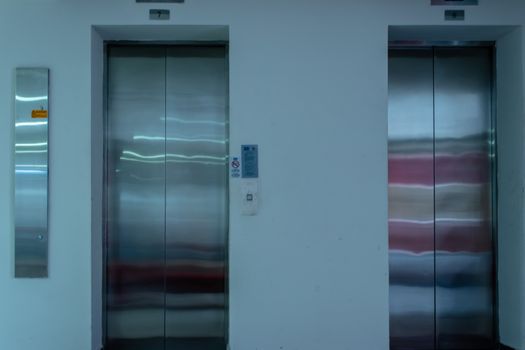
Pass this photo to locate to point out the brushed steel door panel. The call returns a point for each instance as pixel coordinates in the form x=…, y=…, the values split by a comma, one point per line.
x=135, y=198
x=196, y=197
x=411, y=201
x=464, y=269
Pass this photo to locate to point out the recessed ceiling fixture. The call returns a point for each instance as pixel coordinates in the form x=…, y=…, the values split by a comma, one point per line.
x=161, y=1
x=454, y=2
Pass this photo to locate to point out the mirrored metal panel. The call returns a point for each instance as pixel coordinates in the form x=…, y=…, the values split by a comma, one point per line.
x=135, y=198
x=196, y=197
x=411, y=199
x=463, y=199
x=31, y=172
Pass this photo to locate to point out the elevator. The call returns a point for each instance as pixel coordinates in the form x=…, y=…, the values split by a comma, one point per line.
x=166, y=191
x=441, y=156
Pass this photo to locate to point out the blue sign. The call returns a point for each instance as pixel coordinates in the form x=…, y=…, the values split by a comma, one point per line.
x=250, y=161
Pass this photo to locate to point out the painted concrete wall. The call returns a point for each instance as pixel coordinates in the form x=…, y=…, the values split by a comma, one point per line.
x=309, y=84
x=510, y=146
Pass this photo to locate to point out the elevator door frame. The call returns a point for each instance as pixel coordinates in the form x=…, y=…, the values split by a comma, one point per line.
x=164, y=44
x=424, y=44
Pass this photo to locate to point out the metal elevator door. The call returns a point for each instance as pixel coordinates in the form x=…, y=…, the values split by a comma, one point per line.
x=441, y=201
x=166, y=198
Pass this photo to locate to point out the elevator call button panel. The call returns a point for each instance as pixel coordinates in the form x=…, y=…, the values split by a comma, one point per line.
x=250, y=196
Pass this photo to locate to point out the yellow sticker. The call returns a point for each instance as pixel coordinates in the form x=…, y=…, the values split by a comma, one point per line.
x=38, y=114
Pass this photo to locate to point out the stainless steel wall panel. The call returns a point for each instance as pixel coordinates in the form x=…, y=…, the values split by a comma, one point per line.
x=136, y=169
x=464, y=269
x=411, y=199
x=31, y=172
x=196, y=197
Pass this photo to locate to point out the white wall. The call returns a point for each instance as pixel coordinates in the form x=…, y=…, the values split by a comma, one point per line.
x=510, y=148
x=309, y=84
x=97, y=188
